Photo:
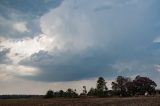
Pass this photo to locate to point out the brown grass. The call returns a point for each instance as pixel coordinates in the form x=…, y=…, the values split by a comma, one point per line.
x=132, y=101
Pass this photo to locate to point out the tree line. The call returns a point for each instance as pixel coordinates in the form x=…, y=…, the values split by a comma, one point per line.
x=122, y=86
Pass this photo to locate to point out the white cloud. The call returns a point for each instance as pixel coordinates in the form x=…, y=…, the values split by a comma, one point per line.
x=77, y=26
x=17, y=70
x=20, y=26
x=70, y=30
x=21, y=49
x=73, y=26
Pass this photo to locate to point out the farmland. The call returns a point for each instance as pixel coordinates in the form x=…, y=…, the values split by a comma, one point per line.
x=116, y=101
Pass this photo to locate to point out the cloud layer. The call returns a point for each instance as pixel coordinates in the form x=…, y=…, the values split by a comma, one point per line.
x=78, y=39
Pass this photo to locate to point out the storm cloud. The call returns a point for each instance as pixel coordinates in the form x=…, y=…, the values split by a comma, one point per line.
x=74, y=40
x=98, y=43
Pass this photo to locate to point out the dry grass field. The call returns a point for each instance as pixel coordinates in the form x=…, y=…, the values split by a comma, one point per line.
x=133, y=101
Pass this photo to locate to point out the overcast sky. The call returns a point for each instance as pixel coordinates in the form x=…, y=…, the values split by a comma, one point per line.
x=57, y=44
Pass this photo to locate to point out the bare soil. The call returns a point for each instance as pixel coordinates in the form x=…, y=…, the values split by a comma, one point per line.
x=130, y=101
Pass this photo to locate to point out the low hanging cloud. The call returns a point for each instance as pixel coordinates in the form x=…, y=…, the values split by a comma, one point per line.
x=68, y=66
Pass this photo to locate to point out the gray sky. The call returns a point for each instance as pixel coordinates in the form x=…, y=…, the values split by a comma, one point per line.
x=56, y=44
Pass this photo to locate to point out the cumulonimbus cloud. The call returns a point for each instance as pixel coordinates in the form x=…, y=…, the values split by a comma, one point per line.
x=84, y=39
x=88, y=42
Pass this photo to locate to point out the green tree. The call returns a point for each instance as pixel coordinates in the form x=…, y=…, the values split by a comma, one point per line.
x=120, y=85
x=61, y=93
x=143, y=85
x=71, y=93
x=84, y=93
x=92, y=92
x=101, y=88
x=101, y=84
x=49, y=94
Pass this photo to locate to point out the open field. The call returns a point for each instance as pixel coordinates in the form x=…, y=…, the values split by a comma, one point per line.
x=133, y=101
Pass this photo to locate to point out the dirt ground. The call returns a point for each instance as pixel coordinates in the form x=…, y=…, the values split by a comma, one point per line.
x=131, y=101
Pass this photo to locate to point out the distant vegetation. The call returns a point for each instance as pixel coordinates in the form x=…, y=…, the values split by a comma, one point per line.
x=122, y=86
x=20, y=96
x=69, y=93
